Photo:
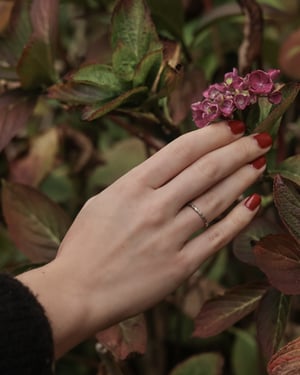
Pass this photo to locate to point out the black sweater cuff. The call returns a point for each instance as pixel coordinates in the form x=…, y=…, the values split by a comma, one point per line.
x=26, y=343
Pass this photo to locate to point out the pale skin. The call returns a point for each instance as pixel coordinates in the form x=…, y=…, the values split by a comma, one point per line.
x=130, y=245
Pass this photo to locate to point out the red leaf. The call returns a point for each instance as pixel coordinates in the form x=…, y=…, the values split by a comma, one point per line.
x=244, y=243
x=287, y=360
x=271, y=319
x=278, y=256
x=129, y=336
x=35, y=223
x=287, y=201
x=15, y=110
x=222, y=312
x=44, y=19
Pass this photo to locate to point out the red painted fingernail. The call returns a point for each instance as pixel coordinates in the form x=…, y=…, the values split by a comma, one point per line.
x=237, y=127
x=253, y=202
x=264, y=140
x=259, y=162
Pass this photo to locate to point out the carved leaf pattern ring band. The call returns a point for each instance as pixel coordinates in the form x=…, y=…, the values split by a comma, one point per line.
x=198, y=212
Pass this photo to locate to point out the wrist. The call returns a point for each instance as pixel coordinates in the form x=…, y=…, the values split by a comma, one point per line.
x=65, y=305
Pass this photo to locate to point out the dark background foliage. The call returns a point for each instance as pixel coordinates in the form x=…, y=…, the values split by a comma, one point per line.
x=91, y=88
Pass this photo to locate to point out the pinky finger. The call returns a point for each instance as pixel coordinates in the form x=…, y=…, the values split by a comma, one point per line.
x=218, y=235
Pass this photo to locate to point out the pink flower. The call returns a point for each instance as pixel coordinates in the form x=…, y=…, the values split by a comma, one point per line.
x=221, y=100
x=260, y=82
x=242, y=101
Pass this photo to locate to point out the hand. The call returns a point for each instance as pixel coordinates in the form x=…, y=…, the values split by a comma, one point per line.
x=130, y=245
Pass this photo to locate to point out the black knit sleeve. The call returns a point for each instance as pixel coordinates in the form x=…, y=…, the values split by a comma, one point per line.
x=26, y=343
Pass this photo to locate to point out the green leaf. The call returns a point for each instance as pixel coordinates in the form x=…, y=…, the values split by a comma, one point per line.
x=99, y=75
x=15, y=109
x=287, y=201
x=221, y=312
x=244, y=243
x=244, y=356
x=35, y=223
x=278, y=256
x=287, y=360
x=271, y=319
x=202, y=364
x=133, y=36
x=134, y=96
x=289, y=169
x=289, y=94
x=147, y=70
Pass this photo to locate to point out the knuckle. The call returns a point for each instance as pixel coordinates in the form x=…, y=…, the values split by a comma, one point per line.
x=209, y=168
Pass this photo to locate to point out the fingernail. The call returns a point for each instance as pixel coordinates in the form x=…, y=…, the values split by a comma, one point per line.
x=259, y=162
x=253, y=202
x=237, y=127
x=264, y=140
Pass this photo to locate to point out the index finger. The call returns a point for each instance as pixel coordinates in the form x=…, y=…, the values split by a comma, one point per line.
x=185, y=150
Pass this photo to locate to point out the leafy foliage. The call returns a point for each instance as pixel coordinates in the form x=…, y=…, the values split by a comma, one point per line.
x=89, y=89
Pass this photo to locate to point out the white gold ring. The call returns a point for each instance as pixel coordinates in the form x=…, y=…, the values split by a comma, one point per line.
x=198, y=212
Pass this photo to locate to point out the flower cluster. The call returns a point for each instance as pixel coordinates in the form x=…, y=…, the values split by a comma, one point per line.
x=222, y=99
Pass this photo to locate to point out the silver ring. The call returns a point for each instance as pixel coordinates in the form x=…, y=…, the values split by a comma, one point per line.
x=198, y=212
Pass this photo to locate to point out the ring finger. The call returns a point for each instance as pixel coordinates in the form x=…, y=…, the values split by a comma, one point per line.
x=217, y=199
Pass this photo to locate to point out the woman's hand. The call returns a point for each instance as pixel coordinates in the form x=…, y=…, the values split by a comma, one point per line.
x=130, y=246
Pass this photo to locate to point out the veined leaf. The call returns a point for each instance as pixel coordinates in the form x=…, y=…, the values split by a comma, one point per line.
x=278, y=256
x=202, y=364
x=134, y=96
x=289, y=168
x=222, y=312
x=15, y=109
x=287, y=360
x=101, y=76
x=271, y=318
x=77, y=93
x=133, y=36
x=289, y=94
x=287, y=201
x=35, y=223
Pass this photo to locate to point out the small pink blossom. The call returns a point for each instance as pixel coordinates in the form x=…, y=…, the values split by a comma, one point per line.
x=221, y=100
x=260, y=82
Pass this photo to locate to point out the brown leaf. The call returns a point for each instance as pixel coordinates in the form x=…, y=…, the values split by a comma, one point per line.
x=15, y=110
x=5, y=12
x=287, y=360
x=35, y=223
x=35, y=166
x=129, y=336
x=278, y=256
x=222, y=312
